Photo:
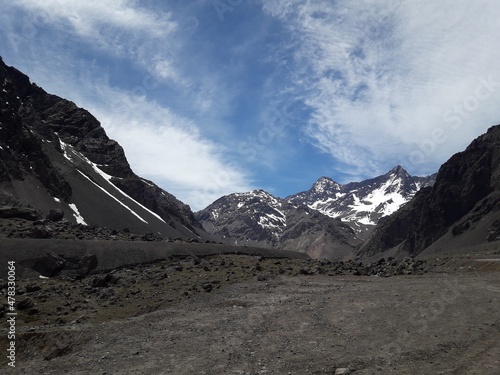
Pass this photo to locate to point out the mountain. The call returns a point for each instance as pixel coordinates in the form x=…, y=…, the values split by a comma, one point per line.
x=460, y=210
x=362, y=204
x=328, y=220
x=257, y=218
x=56, y=156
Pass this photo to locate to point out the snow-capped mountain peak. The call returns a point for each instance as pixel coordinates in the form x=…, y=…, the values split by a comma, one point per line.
x=325, y=185
x=258, y=218
x=327, y=219
x=362, y=204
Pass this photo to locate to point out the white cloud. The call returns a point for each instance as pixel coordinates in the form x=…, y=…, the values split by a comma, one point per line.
x=120, y=28
x=88, y=17
x=383, y=78
x=160, y=144
x=169, y=149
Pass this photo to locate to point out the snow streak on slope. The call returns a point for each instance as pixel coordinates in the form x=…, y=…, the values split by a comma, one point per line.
x=65, y=147
x=79, y=218
x=116, y=199
x=273, y=221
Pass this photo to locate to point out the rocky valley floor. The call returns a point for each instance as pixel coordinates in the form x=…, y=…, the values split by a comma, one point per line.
x=240, y=314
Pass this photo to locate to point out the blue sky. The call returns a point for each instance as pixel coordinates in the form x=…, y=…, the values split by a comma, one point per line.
x=210, y=97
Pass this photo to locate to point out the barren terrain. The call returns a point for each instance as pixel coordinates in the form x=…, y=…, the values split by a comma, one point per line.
x=240, y=314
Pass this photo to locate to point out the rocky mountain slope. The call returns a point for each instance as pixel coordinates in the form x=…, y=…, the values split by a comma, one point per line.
x=362, y=204
x=328, y=220
x=56, y=156
x=257, y=218
x=461, y=209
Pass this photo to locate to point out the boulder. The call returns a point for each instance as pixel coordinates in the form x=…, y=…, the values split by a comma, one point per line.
x=55, y=215
x=49, y=265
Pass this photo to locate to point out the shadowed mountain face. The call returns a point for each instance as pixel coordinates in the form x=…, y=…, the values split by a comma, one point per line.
x=461, y=209
x=56, y=156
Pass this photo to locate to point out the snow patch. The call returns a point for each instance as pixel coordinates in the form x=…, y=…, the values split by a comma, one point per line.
x=79, y=218
x=57, y=199
x=215, y=213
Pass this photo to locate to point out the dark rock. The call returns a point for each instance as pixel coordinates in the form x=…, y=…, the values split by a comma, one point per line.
x=49, y=265
x=41, y=232
x=55, y=215
x=100, y=281
x=30, y=288
x=71, y=275
x=58, y=352
x=8, y=212
x=177, y=267
x=106, y=293
x=261, y=277
x=149, y=237
x=207, y=287
x=466, y=185
x=25, y=304
x=87, y=263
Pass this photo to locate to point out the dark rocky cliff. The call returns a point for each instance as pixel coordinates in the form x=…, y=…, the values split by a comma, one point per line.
x=466, y=192
x=50, y=148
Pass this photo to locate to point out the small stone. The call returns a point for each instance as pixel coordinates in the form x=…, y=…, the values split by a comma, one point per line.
x=342, y=371
x=207, y=287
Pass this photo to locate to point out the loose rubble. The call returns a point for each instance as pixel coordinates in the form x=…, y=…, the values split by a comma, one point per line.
x=56, y=227
x=74, y=287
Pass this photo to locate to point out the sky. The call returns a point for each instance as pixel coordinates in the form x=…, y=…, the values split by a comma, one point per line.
x=211, y=97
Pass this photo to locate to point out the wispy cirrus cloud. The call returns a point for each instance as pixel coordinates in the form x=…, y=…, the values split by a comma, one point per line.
x=120, y=29
x=273, y=94
x=93, y=17
x=146, y=111
x=170, y=150
x=380, y=77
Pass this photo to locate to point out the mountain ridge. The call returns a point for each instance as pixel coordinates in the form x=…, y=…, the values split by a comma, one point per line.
x=55, y=155
x=259, y=218
x=350, y=202
x=461, y=208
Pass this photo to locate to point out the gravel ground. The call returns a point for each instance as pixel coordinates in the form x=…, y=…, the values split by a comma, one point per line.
x=258, y=320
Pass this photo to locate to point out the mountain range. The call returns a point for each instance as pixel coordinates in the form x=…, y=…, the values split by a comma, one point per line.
x=58, y=164
x=328, y=220
x=362, y=204
x=257, y=218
